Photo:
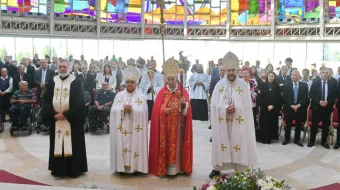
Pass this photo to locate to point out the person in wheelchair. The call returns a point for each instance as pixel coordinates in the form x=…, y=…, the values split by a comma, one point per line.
x=102, y=106
x=21, y=101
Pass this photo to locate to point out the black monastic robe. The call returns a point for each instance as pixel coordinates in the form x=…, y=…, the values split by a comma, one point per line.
x=77, y=163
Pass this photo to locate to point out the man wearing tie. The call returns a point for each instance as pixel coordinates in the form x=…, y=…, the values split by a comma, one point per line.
x=42, y=76
x=295, y=96
x=21, y=76
x=88, y=80
x=283, y=77
x=323, y=94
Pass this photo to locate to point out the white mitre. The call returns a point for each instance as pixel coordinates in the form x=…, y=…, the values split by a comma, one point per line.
x=130, y=73
x=230, y=60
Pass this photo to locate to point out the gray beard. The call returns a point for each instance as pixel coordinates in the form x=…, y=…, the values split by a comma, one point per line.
x=63, y=74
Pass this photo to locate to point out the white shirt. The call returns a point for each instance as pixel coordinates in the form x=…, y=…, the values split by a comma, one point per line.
x=43, y=75
x=337, y=76
x=10, y=88
x=309, y=83
x=326, y=89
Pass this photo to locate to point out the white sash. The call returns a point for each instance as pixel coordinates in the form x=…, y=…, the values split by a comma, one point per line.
x=61, y=104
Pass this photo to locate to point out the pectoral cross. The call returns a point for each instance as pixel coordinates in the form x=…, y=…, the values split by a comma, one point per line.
x=138, y=128
x=239, y=119
x=237, y=148
x=221, y=90
x=239, y=90
x=121, y=101
x=138, y=101
x=59, y=132
x=120, y=128
x=221, y=119
x=125, y=133
x=125, y=150
x=136, y=155
x=223, y=147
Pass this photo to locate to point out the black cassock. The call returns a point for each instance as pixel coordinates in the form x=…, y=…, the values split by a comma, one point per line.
x=77, y=164
x=269, y=120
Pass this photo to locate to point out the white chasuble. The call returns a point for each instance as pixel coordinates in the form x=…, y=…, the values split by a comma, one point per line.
x=199, y=92
x=61, y=103
x=233, y=134
x=129, y=133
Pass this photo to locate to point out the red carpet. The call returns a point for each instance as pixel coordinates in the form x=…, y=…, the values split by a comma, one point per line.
x=6, y=177
x=335, y=186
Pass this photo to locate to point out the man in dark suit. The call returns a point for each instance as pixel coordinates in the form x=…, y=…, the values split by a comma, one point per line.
x=21, y=76
x=323, y=94
x=29, y=69
x=43, y=75
x=214, y=81
x=337, y=144
x=283, y=77
x=215, y=71
x=295, y=96
x=11, y=69
x=194, y=66
x=88, y=81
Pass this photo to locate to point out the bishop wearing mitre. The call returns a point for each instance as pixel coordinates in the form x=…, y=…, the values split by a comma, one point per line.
x=63, y=110
x=129, y=127
x=171, y=138
x=233, y=135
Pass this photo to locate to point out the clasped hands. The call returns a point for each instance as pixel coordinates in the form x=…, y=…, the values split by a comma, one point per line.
x=127, y=108
x=199, y=84
x=182, y=102
x=323, y=103
x=295, y=107
x=59, y=116
x=270, y=108
x=231, y=109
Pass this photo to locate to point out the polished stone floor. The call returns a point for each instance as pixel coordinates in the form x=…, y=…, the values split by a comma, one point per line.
x=304, y=168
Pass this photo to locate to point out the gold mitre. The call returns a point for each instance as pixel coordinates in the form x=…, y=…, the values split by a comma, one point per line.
x=171, y=68
x=230, y=60
x=130, y=73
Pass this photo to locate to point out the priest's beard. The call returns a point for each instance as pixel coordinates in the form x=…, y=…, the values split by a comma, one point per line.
x=231, y=77
x=63, y=74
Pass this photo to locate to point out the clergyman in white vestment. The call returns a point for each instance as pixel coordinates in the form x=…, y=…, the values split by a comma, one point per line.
x=233, y=133
x=129, y=127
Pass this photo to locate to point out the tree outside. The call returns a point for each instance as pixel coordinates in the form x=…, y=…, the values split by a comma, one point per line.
x=3, y=53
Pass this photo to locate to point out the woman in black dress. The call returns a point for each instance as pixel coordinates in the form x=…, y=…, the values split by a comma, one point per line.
x=269, y=101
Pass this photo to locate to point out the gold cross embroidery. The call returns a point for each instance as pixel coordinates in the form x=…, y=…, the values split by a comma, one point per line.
x=125, y=133
x=239, y=119
x=65, y=93
x=223, y=147
x=120, y=128
x=57, y=93
x=221, y=90
x=138, y=128
x=220, y=119
x=136, y=155
x=239, y=90
x=138, y=101
x=125, y=150
x=237, y=148
x=67, y=133
x=59, y=132
x=121, y=101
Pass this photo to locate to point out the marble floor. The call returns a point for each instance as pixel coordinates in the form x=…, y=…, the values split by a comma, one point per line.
x=303, y=168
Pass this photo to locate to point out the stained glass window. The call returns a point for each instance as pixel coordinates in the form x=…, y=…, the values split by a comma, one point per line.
x=75, y=7
x=128, y=11
x=25, y=6
x=250, y=12
x=207, y=12
x=299, y=11
x=334, y=10
x=173, y=12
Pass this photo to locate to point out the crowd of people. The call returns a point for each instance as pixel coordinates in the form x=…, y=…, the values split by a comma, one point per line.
x=129, y=96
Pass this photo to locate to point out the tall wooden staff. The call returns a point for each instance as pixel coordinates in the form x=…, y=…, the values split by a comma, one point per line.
x=181, y=72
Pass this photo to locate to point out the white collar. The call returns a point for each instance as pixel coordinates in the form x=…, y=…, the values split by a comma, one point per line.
x=174, y=90
x=5, y=77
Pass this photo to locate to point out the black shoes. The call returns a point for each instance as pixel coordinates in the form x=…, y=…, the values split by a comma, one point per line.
x=311, y=144
x=214, y=173
x=298, y=143
x=210, y=139
x=209, y=127
x=325, y=145
x=336, y=146
x=285, y=142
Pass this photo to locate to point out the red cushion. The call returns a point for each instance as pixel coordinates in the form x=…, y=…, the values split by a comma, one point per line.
x=335, y=115
x=293, y=123
x=335, y=125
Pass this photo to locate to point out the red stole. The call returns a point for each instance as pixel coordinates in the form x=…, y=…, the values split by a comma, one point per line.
x=163, y=143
